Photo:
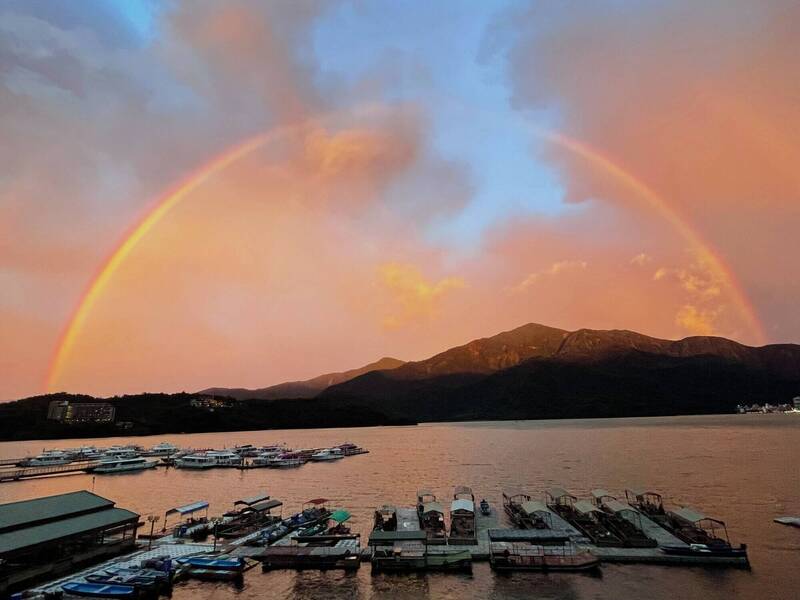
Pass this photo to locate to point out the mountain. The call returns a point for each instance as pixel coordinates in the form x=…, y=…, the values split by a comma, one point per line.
x=304, y=389
x=536, y=371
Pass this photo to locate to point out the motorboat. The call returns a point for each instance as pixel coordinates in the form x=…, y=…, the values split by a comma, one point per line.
x=162, y=449
x=246, y=450
x=99, y=590
x=706, y=550
x=196, y=461
x=123, y=465
x=119, y=452
x=262, y=459
x=327, y=454
x=48, y=458
x=351, y=449
x=85, y=453
x=485, y=509
x=225, y=458
x=284, y=461
x=213, y=562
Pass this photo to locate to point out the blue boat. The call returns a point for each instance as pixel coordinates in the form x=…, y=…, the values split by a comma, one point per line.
x=220, y=564
x=99, y=590
x=138, y=581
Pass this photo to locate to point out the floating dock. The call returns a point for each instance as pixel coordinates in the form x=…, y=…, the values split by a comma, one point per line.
x=48, y=471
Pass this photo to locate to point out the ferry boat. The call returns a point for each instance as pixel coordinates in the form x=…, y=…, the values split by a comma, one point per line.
x=327, y=454
x=123, y=465
x=48, y=458
x=196, y=461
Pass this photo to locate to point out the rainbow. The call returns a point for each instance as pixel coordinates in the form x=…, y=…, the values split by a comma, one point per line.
x=177, y=193
x=671, y=215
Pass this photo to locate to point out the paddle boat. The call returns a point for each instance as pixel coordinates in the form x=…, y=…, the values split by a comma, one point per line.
x=485, y=510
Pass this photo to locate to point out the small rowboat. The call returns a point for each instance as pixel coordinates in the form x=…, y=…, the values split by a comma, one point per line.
x=219, y=564
x=138, y=581
x=100, y=590
x=704, y=550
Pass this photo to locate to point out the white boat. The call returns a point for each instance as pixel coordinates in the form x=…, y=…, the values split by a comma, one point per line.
x=162, y=449
x=48, y=458
x=285, y=463
x=84, y=453
x=263, y=458
x=123, y=465
x=117, y=452
x=328, y=454
x=246, y=450
x=196, y=461
x=225, y=458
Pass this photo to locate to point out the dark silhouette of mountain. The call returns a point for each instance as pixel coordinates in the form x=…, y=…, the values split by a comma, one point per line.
x=304, y=389
x=540, y=372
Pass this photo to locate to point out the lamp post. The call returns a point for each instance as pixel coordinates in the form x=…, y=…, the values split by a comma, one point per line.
x=216, y=523
x=152, y=519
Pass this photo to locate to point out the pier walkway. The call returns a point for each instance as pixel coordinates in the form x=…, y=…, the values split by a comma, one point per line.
x=30, y=472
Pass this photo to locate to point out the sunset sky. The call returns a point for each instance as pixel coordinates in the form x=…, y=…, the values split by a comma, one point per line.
x=242, y=193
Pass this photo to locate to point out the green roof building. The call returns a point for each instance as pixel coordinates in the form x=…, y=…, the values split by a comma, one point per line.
x=52, y=536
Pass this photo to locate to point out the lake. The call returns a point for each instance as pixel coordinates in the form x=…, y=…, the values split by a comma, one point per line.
x=743, y=469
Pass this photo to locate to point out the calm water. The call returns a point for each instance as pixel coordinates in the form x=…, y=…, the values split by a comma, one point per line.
x=742, y=469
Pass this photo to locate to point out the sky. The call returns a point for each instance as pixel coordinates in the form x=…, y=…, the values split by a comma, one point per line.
x=199, y=194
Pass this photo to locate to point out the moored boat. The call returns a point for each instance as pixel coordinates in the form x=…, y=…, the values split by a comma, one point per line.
x=195, y=461
x=327, y=454
x=125, y=465
x=99, y=590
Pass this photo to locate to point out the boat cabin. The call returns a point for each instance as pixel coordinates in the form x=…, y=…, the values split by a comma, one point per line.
x=693, y=527
x=386, y=518
x=537, y=515
x=462, y=516
x=599, y=496
x=650, y=503
x=560, y=500
x=424, y=496
x=432, y=521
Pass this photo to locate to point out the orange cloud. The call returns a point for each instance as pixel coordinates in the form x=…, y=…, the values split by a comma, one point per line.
x=417, y=298
x=556, y=268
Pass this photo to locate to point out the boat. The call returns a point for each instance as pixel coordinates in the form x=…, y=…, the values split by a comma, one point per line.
x=793, y=521
x=351, y=449
x=310, y=557
x=327, y=454
x=142, y=582
x=212, y=562
x=485, y=509
x=213, y=574
x=125, y=465
x=99, y=590
x=225, y=458
x=524, y=556
x=410, y=556
x=524, y=512
x=162, y=449
x=262, y=459
x=431, y=517
x=48, y=458
x=286, y=460
x=462, y=517
x=195, y=461
x=119, y=452
x=706, y=550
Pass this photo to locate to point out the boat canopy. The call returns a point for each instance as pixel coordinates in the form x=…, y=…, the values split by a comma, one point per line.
x=585, y=507
x=690, y=515
x=387, y=508
x=600, y=493
x=534, y=506
x=461, y=504
x=615, y=506
x=340, y=516
x=556, y=492
x=432, y=507
x=253, y=500
x=263, y=506
x=462, y=490
x=317, y=501
x=639, y=492
x=511, y=494
x=188, y=509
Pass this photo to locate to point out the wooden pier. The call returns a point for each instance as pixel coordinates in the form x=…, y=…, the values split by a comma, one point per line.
x=7, y=475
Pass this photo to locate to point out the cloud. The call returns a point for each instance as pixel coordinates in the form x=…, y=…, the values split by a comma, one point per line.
x=641, y=259
x=555, y=269
x=710, y=124
x=695, y=320
x=417, y=298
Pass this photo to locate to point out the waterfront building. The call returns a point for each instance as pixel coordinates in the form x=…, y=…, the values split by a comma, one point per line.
x=47, y=537
x=81, y=412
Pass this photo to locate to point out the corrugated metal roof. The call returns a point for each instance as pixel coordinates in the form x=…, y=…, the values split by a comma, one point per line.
x=269, y=504
x=25, y=513
x=462, y=504
x=585, y=507
x=616, y=506
x=533, y=506
x=189, y=508
x=462, y=489
x=689, y=514
x=39, y=534
x=432, y=507
x=253, y=500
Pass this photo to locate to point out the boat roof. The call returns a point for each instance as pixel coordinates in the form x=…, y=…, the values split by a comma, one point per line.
x=269, y=504
x=616, y=506
x=515, y=493
x=558, y=492
x=533, y=506
x=585, y=507
x=340, y=516
x=317, y=501
x=188, y=508
x=462, y=489
x=424, y=492
x=601, y=493
x=432, y=507
x=692, y=515
x=25, y=513
x=462, y=504
x=638, y=492
x=252, y=500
